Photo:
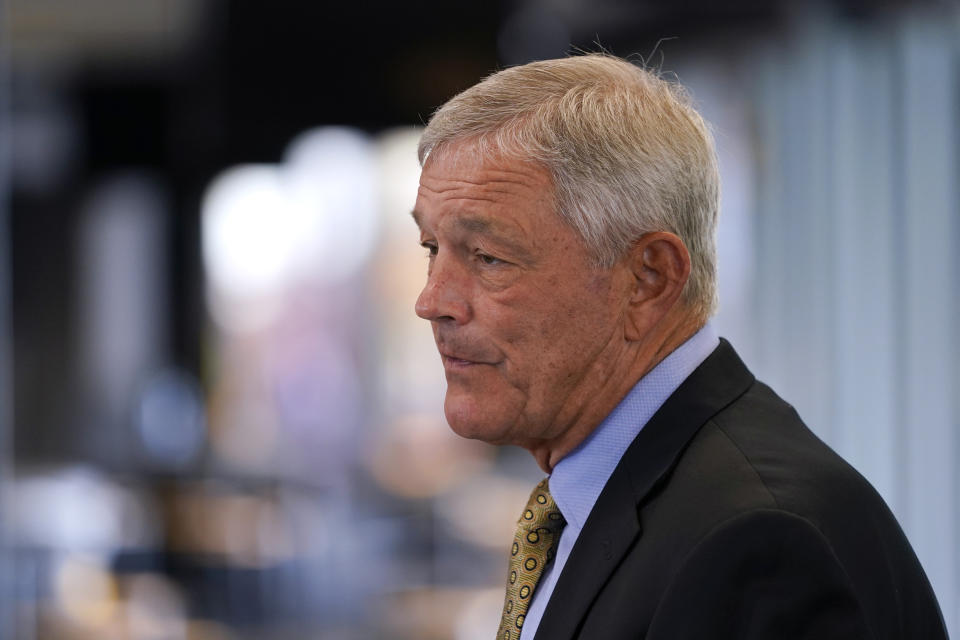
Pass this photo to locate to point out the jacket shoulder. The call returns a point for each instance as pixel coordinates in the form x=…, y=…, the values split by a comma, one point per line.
x=755, y=463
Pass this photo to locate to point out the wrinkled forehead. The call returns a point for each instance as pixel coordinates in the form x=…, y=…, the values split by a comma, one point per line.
x=495, y=196
x=472, y=165
x=463, y=174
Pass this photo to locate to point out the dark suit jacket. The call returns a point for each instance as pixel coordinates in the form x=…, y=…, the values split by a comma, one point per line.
x=728, y=518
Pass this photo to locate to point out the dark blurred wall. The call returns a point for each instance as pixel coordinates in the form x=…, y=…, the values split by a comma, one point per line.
x=234, y=83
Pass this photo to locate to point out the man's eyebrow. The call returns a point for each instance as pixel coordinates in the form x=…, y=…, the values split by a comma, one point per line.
x=476, y=225
x=466, y=223
x=496, y=232
x=482, y=225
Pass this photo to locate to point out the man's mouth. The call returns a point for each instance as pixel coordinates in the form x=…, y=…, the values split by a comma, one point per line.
x=453, y=361
x=459, y=361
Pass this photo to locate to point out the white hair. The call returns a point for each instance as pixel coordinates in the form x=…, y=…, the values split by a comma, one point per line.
x=627, y=153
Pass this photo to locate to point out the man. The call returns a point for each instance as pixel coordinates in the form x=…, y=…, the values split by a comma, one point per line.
x=569, y=210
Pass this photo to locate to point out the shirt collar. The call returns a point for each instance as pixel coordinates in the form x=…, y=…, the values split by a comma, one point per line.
x=580, y=476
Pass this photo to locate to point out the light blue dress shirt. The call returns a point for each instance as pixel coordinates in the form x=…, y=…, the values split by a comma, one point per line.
x=578, y=479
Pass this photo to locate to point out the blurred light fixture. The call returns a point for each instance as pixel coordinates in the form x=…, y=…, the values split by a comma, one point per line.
x=247, y=235
x=331, y=181
x=269, y=228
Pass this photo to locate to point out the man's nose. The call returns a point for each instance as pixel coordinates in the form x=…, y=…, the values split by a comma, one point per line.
x=444, y=295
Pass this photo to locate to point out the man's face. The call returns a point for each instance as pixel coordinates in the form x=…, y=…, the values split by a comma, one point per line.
x=528, y=330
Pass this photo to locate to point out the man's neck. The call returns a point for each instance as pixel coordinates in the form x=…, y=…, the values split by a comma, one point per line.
x=639, y=358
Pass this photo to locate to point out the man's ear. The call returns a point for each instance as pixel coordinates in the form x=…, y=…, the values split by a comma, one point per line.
x=660, y=264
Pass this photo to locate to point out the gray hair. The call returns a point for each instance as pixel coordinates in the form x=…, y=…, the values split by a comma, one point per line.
x=627, y=153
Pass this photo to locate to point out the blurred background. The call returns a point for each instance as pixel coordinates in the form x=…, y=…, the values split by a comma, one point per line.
x=220, y=418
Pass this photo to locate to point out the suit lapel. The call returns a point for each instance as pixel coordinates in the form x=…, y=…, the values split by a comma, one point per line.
x=613, y=525
x=608, y=533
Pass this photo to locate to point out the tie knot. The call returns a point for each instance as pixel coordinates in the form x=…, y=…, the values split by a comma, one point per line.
x=541, y=510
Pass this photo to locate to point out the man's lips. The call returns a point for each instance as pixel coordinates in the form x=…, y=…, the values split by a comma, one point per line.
x=462, y=353
x=457, y=360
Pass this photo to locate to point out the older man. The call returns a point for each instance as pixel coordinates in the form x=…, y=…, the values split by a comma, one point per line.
x=569, y=211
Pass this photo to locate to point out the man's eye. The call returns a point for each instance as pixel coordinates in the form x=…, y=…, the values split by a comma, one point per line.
x=431, y=248
x=488, y=259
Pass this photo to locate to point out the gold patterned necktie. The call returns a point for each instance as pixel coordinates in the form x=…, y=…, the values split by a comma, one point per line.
x=534, y=545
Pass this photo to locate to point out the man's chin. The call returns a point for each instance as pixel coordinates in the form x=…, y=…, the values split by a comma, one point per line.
x=468, y=421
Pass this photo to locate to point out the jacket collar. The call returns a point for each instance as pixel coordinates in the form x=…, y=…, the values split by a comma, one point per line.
x=613, y=524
